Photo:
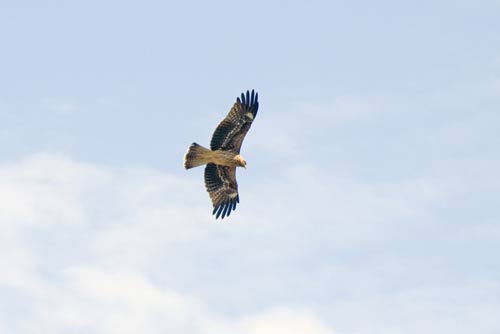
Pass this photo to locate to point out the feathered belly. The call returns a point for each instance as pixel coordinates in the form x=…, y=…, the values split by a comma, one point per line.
x=224, y=158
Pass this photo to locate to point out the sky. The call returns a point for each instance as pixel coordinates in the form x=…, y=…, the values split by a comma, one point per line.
x=370, y=202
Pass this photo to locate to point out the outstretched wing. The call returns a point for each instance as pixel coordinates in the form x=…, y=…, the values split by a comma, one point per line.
x=221, y=185
x=231, y=131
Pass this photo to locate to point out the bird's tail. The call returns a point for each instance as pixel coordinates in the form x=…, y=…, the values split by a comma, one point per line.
x=196, y=155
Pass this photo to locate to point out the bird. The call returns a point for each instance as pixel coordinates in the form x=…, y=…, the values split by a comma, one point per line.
x=224, y=156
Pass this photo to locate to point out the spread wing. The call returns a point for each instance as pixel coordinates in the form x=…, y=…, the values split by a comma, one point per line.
x=231, y=131
x=221, y=185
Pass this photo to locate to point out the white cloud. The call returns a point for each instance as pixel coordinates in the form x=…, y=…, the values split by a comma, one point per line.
x=447, y=308
x=100, y=300
x=96, y=249
x=44, y=190
x=19, y=266
x=274, y=321
x=115, y=222
x=348, y=211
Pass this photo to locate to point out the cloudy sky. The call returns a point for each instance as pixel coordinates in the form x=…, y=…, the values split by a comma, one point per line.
x=371, y=200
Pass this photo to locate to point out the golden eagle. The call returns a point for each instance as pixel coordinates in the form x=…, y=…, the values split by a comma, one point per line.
x=224, y=154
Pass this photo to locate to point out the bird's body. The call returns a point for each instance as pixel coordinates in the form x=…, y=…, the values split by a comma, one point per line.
x=198, y=155
x=223, y=156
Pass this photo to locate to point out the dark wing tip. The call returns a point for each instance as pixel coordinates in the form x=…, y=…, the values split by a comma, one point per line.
x=250, y=100
x=224, y=209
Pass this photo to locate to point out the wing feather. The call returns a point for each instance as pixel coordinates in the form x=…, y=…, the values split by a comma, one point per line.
x=231, y=131
x=220, y=182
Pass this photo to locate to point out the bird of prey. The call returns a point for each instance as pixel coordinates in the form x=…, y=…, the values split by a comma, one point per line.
x=224, y=154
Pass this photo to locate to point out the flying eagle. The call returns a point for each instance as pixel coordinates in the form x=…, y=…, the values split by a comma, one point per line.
x=224, y=154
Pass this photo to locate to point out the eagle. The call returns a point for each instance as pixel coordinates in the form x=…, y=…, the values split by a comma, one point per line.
x=224, y=156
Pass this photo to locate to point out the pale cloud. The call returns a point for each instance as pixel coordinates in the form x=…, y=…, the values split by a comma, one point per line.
x=344, y=110
x=100, y=249
x=60, y=106
x=19, y=266
x=125, y=217
x=273, y=321
x=44, y=190
x=348, y=211
x=286, y=128
x=430, y=309
x=100, y=300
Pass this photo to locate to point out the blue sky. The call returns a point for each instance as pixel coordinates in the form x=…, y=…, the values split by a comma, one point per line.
x=370, y=203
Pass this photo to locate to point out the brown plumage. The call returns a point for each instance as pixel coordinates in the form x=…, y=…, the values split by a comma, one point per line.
x=223, y=156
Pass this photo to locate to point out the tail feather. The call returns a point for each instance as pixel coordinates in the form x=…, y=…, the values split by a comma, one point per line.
x=196, y=155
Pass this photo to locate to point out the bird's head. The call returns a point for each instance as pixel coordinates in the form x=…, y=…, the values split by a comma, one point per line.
x=240, y=161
